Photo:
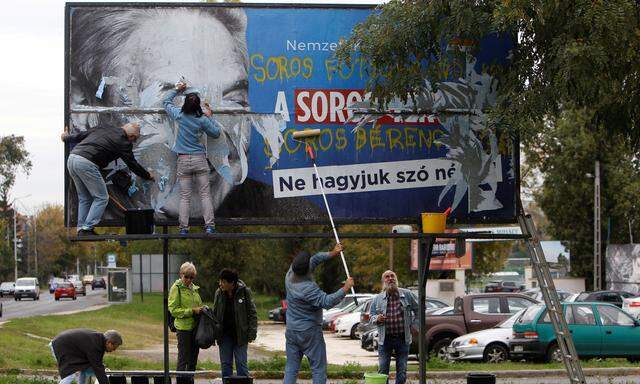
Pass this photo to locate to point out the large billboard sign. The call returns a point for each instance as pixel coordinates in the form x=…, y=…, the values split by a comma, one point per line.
x=268, y=71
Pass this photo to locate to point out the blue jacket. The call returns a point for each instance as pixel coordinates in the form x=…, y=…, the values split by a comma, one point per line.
x=305, y=299
x=410, y=310
x=190, y=128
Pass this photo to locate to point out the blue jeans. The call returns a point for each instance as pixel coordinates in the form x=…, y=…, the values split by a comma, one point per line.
x=394, y=346
x=309, y=343
x=91, y=188
x=229, y=350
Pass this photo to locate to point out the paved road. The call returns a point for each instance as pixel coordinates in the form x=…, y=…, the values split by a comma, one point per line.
x=47, y=305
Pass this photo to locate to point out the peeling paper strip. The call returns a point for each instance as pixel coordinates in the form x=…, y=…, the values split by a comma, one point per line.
x=101, y=88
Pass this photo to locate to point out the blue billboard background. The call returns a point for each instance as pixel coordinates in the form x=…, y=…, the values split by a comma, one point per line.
x=273, y=69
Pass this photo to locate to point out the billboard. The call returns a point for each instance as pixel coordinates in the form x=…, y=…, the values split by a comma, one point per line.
x=270, y=70
x=622, y=267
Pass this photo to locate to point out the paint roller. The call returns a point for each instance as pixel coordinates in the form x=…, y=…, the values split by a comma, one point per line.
x=304, y=137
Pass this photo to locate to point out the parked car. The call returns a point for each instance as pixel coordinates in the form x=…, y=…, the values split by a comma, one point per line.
x=7, y=288
x=347, y=325
x=613, y=297
x=80, y=288
x=490, y=345
x=65, y=289
x=87, y=279
x=471, y=313
x=535, y=293
x=345, y=306
x=632, y=306
x=369, y=340
x=53, y=283
x=279, y=313
x=598, y=329
x=502, y=286
x=98, y=282
x=348, y=310
x=27, y=287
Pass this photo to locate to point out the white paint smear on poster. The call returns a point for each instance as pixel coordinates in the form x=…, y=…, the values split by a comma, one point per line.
x=371, y=177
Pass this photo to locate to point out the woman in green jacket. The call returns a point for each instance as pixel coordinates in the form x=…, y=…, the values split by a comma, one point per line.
x=185, y=304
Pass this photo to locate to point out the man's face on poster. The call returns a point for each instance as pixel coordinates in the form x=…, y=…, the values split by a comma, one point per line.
x=165, y=47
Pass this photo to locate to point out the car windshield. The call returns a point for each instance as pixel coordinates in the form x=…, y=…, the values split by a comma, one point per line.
x=530, y=314
x=24, y=283
x=6, y=285
x=64, y=285
x=508, y=323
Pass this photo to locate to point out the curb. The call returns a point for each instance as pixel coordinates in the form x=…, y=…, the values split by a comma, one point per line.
x=510, y=374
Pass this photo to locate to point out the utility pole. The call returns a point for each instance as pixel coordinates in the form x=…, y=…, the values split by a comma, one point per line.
x=15, y=247
x=35, y=241
x=597, y=243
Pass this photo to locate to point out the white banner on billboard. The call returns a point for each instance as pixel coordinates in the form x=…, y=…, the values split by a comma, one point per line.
x=370, y=177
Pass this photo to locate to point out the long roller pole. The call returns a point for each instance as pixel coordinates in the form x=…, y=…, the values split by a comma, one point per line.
x=326, y=204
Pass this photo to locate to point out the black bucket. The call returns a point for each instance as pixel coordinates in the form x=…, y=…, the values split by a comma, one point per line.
x=139, y=380
x=160, y=379
x=237, y=380
x=117, y=380
x=139, y=221
x=481, y=378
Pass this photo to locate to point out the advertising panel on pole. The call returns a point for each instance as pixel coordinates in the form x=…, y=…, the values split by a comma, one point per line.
x=444, y=256
x=267, y=71
x=622, y=267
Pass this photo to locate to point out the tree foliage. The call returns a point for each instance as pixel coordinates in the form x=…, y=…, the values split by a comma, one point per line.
x=564, y=56
x=13, y=158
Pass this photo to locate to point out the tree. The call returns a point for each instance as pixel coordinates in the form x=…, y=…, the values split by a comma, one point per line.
x=563, y=58
x=13, y=158
x=489, y=256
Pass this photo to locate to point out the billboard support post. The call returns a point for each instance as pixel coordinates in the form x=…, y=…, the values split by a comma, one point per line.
x=424, y=260
x=165, y=302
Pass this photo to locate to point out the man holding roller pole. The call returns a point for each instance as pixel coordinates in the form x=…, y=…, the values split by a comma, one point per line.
x=305, y=301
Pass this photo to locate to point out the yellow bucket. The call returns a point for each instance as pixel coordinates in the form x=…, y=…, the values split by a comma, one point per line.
x=433, y=222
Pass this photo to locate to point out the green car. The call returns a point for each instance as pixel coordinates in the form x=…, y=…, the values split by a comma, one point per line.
x=598, y=330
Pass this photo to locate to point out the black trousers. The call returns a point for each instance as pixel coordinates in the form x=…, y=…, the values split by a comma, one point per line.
x=187, y=354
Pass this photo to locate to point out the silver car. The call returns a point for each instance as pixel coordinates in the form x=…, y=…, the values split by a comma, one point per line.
x=490, y=345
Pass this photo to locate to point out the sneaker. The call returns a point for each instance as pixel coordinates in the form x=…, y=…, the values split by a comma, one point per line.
x=87, y=232
x=184, y=231
x=210, y=229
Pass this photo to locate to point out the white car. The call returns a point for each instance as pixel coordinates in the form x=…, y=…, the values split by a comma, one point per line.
x=27, y=287
x=490, y=345
x=632, y=306
x=347, y=325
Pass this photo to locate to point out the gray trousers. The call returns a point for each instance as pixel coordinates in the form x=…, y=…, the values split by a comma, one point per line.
x=308, y=343
x=194, y=167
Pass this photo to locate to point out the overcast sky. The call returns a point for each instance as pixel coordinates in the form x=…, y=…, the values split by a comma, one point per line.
x=31, y=81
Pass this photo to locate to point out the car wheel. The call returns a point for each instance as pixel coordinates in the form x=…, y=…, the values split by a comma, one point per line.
x=352, y=334
x=633, y=359
x=38, y=297
x=495, y=353
x=74, y=297
x=554, y=355
x=439, y=349
x=57, y=298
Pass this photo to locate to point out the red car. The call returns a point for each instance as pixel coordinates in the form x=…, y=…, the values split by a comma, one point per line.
x=65, y=289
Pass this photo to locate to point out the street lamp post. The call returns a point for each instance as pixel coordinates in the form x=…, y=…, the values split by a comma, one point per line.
x=597, y=245
x=15, y=237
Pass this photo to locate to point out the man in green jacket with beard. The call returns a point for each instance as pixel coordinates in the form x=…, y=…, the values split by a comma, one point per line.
x=235, y=311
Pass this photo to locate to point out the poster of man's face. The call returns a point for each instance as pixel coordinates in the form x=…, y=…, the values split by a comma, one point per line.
x=622, y=267
x=268, y=71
